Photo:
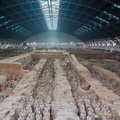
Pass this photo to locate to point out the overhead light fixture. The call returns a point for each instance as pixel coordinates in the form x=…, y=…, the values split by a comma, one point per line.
x=115, y=5
x=102, y=19
x=1, y=17
x=50, y=9
x=111, y=15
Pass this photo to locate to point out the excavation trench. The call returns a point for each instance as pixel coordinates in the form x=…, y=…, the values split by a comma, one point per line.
x=81, y=93
x=110, y=65
x=52, y=98
x=38, y=106
x=87, y=101
x=109, y=79
x=31, y=65
x=74, y=81
x=7, y=84
x=43, y=93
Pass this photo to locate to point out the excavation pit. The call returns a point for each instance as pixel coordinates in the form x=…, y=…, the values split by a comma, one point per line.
x=56, y=87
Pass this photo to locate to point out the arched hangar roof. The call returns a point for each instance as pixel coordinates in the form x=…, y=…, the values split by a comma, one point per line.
x=85, y=19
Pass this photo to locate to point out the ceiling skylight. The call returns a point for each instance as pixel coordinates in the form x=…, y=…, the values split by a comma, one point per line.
x=50, y=9
x=84, y=29
x=102, y=20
